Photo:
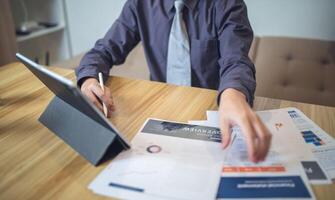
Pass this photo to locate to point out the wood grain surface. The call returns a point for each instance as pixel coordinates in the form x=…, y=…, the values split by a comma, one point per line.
x=35, y=164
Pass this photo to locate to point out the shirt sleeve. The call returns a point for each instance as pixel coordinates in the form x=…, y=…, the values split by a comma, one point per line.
x=235, y=37
x=113, y=48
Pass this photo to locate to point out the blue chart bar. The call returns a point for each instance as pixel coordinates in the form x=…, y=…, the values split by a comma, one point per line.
x=310, y=137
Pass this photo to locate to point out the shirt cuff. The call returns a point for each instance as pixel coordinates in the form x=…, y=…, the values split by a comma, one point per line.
x=237, y=86
x=82, y=73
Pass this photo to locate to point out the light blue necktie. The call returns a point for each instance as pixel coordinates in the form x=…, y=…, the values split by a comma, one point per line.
x=179, y=61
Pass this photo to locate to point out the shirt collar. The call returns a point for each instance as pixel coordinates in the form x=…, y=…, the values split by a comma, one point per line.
x=190, y=4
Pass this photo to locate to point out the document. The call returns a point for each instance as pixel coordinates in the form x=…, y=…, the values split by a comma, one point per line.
x=280, y=126
x=168, y=160
x=171, y=160
x=281, y=119
x=321, y=144
x=281, y=175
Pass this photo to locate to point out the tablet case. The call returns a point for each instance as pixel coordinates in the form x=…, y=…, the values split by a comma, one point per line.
x=90, y=139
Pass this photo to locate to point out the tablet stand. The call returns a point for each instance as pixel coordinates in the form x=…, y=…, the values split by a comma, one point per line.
x=89, y=138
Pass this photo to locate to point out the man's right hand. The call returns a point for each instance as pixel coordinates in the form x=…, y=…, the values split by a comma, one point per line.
x=91, y=88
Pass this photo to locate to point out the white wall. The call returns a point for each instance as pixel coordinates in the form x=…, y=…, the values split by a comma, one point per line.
x=89, y=20
x=293, y=18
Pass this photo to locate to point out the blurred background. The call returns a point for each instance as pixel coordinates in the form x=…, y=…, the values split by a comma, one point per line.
x=293, y=50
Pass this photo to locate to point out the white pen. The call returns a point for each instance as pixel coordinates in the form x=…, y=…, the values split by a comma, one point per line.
x=101, y=81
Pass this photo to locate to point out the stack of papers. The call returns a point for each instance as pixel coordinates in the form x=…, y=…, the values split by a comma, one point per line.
x=322, y=145
x=281, y=175
x=167, y=161
x=171, y=160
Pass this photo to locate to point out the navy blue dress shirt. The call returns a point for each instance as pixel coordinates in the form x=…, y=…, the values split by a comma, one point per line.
x=220, y=38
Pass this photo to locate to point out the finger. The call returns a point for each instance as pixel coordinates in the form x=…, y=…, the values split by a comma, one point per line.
x=104, y=96
x=264, y=138
x=250, y=136
x=94, y=100
x=96, y=89
x=225, y=133
x=109, y=113
x=110, y=104
x=112, y=108
x=260, y=139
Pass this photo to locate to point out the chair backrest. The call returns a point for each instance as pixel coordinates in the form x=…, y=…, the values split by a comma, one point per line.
x=253, y=49
x=296, y=69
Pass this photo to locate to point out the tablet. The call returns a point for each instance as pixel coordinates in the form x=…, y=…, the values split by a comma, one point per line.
x=66, y=90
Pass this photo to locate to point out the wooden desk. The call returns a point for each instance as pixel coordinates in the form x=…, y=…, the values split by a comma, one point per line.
x=35, y=164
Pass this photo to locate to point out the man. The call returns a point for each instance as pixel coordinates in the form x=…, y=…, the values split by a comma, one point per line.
x=202, y=43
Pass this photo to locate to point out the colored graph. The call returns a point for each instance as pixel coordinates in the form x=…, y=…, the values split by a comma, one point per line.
x=311, y=138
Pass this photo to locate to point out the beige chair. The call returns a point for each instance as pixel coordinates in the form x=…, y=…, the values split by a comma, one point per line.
x=296, y=69
x=253, y=49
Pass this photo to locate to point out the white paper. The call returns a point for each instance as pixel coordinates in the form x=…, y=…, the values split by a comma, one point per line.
x=326, y=156
x=213, y=116
x=281, y=164
x=178, y=167
x=279, y=119
x=321, y=144
x=182, y=168
x=285, y=148
x=203, y=123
